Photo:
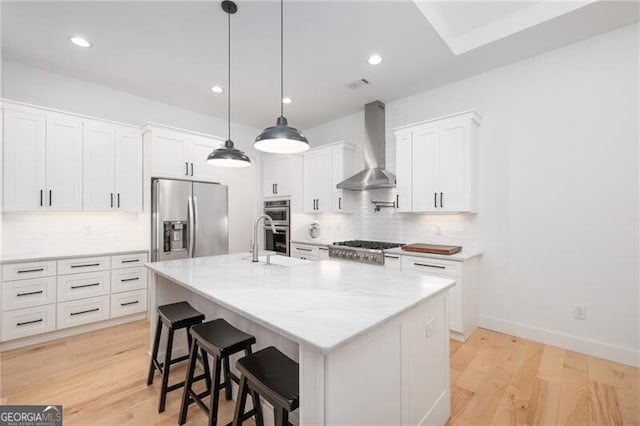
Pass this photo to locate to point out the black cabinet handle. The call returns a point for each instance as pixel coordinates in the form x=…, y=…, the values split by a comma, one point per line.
x=130, y=261
x=191, y=169
x=435, y=199
x=86, y=265
x=303, y=249
x=323, y=248
x=441, y=199
x=186, y=168
x=24, y=271
x=130, y=303
x=118, y=200
x=339, y=203
x=30, y=293
x=429, y=266
x=50, y=197
x=397, y=201
x=273, y=188
x=112, y=200
x=391, y=257
x=41, y=196
x=73, y=287
x=85, y=312
x=129, y=279
x=29, y=322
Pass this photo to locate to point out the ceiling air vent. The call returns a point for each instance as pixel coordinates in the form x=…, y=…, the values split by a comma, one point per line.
x=358, y=84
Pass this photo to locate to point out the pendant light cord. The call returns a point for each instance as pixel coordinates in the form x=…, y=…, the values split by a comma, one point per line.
x=281, y=57
x=229, y=80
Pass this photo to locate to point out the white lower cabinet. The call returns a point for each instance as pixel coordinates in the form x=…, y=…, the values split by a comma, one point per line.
x=83, y=311
x=309, y=252
x=392, y=262
x=128, y=303
x=463, y=297
x=42, y=296
x=28, y=322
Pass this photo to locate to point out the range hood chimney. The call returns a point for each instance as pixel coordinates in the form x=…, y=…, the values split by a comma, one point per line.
x=374, y=175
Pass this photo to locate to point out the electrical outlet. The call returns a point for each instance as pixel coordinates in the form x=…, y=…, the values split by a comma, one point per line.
x=580, y=312
x=428, y=332
x=439, y=229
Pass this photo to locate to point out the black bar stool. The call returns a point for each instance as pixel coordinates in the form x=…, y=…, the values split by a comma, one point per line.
x=219, y=339
x=174, y=316
x=273, y=376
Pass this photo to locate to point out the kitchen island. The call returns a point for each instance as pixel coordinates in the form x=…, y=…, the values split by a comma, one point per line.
x=372, y=344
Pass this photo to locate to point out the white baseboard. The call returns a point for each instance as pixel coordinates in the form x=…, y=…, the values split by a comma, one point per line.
x=562, y=340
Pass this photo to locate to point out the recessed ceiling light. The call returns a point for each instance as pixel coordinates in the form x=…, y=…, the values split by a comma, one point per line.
x=80, y=41
x=287, y=100
x=375, y=59
x=216, y=89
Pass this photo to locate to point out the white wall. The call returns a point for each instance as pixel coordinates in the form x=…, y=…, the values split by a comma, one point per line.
x=53, y=234
x=559, y=192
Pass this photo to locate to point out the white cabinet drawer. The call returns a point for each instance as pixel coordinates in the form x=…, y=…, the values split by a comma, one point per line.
x=24, y=271
x=83, y=264
x=28, y=321
x=28, y=293
x=78, y=312
x=323, y=252
x=128, y=279
x=392, y=262
x=309, y=252
x=128, y=260
x=128, y=303
x=428, y=266
x=81, y=286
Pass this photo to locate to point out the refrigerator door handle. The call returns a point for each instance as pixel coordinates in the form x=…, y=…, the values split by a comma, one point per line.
x=190, y=223
x=195, y=225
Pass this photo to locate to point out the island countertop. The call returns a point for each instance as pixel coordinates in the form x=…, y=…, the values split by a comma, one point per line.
x=324, y=304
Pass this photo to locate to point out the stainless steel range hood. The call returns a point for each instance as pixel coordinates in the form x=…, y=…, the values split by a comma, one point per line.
x=374, y=175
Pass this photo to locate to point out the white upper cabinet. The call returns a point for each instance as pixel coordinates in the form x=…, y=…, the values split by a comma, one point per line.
x=24, y=160
x=199, y=149
x=128, y=170
x=278, y=171
x=436, y=165
x=181, y=154
x=324, y=168
x=64, y=163
x=99, y=166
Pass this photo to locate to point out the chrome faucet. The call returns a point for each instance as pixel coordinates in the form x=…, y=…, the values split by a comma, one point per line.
x=254, y=248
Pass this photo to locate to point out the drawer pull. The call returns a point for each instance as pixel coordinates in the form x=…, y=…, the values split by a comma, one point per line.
x=25, y=271
x=86, y=265
x=85, y=312
x=29, y=322
x=30, y=293
x=131, y=261
x=130, y=303
x=73, y=287
x=302, y=249
x=391, y=257
x=429, y=266
x=129, y=279
x=323, y=248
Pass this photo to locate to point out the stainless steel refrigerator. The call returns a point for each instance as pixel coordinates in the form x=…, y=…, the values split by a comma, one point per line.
x=188, y=219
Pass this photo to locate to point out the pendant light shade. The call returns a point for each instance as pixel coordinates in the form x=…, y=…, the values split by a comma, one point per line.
x=281, y=139
x=229, y=155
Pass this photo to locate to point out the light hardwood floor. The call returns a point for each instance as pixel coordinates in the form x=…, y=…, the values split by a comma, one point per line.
x=100, y=378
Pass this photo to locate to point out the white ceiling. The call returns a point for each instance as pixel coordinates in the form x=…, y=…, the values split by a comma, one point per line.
x=175, y=51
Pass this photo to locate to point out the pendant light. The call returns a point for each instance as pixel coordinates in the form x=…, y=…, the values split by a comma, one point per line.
x=281, y=139
x=229, y=156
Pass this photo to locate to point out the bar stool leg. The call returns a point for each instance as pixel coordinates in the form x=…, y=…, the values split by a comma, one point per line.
x=154, y=353
x=257, y=407
x=281, y=416
x=240, y=403
x=227, y=378
x=215, y=394
x=188, y=381
x=165, y=371
x=207, y=372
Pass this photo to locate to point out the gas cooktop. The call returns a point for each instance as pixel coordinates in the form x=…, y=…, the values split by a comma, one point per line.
x=361, y=251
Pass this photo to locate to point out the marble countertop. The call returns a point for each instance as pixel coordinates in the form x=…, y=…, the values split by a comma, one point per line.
x=324, y=304
x=39, y=257
x=459, y=257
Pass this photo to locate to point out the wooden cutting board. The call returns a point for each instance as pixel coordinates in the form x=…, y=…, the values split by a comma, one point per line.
x=432, y=248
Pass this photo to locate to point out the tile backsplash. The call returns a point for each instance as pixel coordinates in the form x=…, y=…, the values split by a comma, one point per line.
x=389, y=225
